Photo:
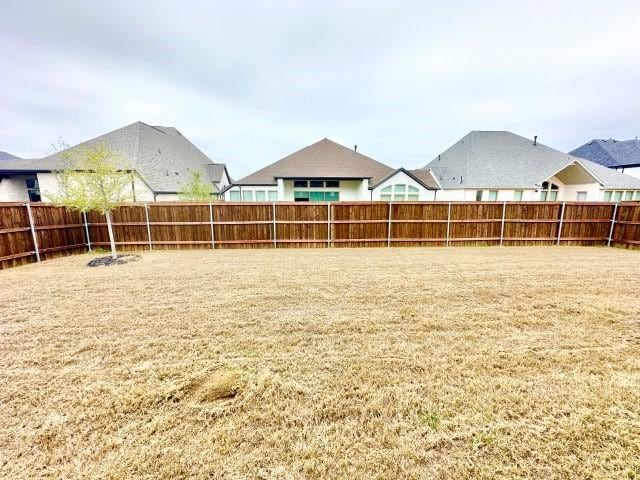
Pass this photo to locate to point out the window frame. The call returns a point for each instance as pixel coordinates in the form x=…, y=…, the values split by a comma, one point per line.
x=249, y=194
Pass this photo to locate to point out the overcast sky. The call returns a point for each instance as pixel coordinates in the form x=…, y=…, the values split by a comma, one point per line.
x=249, y=82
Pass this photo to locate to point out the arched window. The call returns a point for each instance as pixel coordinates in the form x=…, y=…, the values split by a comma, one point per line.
x=400, y=192
x=549, y=192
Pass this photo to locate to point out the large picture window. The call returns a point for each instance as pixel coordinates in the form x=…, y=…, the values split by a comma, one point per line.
x=305, y=196
x=234, y=195
x=400, y=192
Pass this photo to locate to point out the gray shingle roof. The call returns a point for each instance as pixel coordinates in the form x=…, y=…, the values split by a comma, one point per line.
x=611, y=153
x=162, y=156
x=500, y=159
x=323, y=159
x=8, y=156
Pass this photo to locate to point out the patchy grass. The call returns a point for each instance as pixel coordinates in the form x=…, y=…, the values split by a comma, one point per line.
x=359, y=363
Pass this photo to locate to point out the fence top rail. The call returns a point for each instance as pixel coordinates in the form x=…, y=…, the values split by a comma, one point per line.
x=219, y=203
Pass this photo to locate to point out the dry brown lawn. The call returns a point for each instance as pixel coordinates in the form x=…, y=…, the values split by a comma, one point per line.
x=340, y=363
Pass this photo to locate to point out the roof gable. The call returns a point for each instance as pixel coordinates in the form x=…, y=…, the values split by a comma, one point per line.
x=323, y=159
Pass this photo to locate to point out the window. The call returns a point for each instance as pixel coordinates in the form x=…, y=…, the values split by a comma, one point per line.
x=33, y=190
x=234, y=195
x=331, y=196
x=401, y=192
x=247, y=195
x=273, y=195
x=549, y=192
x=493, y=195
x=617, y=196
x=628, y=196
x=301, y=196
x=607, y=196
x=316, y=196
x=260, y=196
x=478, y=195
x=332, y=184
x=581, y=196
x=637, y=195
x=517, y=196
x=300, y=183
x=316, y=184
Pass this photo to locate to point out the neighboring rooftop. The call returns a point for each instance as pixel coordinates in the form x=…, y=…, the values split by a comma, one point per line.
x=162, y=156
x=8, y=156
x=501, y=159
x=323, y=159
x=611, y=153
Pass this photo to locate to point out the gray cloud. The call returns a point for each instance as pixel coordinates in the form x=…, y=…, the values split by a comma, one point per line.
x=249, y=82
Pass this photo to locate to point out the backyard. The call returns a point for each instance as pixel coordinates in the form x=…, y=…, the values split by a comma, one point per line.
x=324, y=363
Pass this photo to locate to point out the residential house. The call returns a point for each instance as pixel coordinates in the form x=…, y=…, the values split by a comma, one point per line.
x=329, y=172
x=161, y=158
x=503, y=166
x=620, y=155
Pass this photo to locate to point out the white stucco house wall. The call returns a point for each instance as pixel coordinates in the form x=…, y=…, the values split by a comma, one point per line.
x=503, y=166
x=329, y=172
x=161, y=158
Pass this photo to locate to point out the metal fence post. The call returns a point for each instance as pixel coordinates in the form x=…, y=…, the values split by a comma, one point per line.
x=33, y=231
x=504, y=211
x=146, y=213
x=560, y=225
x=86, y=230
x=328, y=224
x=613, y=223
x=389, y=227
x=213, y=238
x=275, y=237
x=448, y=222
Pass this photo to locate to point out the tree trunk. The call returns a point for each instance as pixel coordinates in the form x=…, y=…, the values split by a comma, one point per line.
x=112, y=240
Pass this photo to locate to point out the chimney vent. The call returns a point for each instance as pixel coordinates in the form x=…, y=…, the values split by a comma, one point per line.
x=535, y=140
x=355, y=148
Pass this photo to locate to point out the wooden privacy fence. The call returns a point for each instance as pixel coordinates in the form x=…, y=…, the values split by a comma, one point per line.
x=31, y=232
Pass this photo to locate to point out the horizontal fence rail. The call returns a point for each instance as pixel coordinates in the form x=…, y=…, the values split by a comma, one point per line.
x=39, y=231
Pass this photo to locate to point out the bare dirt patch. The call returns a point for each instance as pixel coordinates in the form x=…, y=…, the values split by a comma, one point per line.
x=359, y=363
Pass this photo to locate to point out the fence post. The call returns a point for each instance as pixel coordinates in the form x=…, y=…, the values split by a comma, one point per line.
x=275, y=238
x=613, y=223
x=213, y=238
x=448, y=222
x=146, y=213
x=86, y=229
x=33, y=231
x=389, y=227
x=504, y=211
x=328, y=224
x=560, y=225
